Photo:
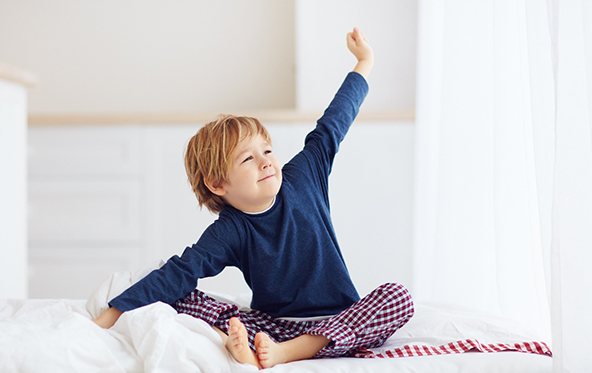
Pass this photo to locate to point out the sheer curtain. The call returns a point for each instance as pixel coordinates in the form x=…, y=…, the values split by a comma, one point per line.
x=503, y=203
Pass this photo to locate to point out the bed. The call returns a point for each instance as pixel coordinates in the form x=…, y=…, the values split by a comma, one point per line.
x=50, y=335
x=58, y=335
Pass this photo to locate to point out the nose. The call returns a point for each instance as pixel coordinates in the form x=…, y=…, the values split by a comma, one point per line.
x=264, y=162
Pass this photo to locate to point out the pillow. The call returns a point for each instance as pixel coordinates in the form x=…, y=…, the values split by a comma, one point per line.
x=115, y=285
x=435, y=324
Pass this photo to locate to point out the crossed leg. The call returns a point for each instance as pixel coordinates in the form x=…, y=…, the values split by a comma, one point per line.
x=268, y=353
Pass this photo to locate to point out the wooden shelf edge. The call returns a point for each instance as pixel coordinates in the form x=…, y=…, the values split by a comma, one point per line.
x=266, y=116
x=16, y=75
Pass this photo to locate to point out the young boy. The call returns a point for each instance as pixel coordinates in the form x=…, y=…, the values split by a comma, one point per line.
x=274, y=225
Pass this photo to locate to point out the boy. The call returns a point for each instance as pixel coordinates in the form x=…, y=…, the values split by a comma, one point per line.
x=274, y=225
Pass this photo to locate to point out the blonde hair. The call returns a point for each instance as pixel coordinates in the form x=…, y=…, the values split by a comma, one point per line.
x=207, y=158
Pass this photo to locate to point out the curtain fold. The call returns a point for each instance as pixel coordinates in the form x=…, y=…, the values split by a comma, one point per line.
x=503, y=196
x=571, y=249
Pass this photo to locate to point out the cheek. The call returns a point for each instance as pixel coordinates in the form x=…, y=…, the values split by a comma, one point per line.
x=247, y=175
x=276, y=164
x=237, y=176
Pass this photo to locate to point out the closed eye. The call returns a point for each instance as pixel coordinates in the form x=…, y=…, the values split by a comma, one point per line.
x=251, y=157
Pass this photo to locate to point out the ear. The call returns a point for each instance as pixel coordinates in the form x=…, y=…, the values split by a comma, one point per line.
x=218, y=190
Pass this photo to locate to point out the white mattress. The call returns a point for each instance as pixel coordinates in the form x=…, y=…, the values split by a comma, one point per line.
x=59, y=335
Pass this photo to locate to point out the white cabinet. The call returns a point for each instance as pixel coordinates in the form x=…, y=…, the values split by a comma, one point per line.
x=86, y=207
x=13, y=183
x=109, y=198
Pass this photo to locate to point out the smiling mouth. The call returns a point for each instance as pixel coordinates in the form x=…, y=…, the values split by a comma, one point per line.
x=267, y=177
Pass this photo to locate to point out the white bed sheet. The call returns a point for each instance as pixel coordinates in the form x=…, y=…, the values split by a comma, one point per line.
x=59, y=335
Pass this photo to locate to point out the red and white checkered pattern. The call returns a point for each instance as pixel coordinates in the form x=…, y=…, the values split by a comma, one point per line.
x=457, y=347
x=366, y=324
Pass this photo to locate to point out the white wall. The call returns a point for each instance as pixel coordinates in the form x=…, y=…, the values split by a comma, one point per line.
x=192, y=56
x=130, y=56
x=322, y=57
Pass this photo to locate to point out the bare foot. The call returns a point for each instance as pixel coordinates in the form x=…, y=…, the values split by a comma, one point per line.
x=268, y=352
x=238, y=343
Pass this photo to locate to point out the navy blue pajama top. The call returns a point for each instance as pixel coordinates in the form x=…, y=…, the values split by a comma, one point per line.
x=289, y=254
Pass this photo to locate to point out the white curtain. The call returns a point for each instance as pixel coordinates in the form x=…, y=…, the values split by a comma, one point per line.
x=503, y=195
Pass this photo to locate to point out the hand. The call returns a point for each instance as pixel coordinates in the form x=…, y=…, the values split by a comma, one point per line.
x=357, y=44
x=108, y=317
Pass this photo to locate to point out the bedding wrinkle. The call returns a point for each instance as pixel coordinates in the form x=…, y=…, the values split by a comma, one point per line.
x=183, y=343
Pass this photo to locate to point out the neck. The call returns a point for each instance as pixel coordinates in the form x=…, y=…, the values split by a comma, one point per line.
x=259, y=209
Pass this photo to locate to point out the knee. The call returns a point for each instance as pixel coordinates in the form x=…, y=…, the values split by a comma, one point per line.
x=393, y=288
x=398, y=296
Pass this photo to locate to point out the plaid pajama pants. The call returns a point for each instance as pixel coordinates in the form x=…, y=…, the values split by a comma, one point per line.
x=365, y=324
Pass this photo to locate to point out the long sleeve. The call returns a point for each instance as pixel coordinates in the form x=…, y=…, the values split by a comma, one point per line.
x=321, y=145
x=215, y=250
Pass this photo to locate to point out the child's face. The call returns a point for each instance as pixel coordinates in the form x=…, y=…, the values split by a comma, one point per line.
x=255, y=176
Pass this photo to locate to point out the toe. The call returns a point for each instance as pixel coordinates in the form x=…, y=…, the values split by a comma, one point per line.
x=234, y=322
x=261, y=340
x=234, y=326
x=262, y=346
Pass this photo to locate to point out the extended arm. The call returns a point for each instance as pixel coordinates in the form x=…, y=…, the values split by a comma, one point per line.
x=108, y=317
x=215, y=250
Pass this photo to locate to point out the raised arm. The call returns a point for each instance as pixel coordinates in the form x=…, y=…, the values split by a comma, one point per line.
x=321, y=145
x=357, y=44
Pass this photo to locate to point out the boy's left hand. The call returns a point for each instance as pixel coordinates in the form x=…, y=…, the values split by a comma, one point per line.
x=357, y=44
